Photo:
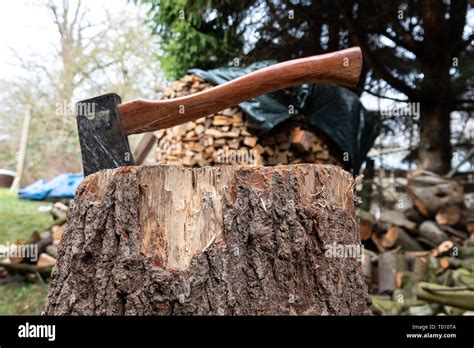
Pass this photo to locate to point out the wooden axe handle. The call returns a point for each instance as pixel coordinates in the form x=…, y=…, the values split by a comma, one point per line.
x=341, y=67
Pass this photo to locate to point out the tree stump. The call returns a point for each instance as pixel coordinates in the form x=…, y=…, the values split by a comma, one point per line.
x=230, y=240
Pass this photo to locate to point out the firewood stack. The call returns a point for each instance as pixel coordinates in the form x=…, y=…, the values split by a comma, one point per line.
x=420, y=261
x=43, y=246
x=226, y=138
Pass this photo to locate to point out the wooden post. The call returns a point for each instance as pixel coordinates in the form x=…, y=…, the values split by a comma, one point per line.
x=20, y=164
x=230, y=240
x=367, y=185
x=144, y=147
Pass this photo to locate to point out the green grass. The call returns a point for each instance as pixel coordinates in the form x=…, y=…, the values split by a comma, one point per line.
x=20, y=217
x=22, y=298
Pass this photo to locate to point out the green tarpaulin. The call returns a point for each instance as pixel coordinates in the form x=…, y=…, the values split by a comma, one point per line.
x=336, y=111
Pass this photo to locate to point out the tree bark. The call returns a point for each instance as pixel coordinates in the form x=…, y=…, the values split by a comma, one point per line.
x=434, y=152
x=168, y=240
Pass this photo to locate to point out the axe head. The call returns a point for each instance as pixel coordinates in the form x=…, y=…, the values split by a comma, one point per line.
x=104, y=144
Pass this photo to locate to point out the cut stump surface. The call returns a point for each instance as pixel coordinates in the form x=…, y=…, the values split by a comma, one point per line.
x=230, y=240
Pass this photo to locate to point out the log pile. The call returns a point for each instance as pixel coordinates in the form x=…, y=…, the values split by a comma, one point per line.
x=34, y=258
x=226, y=138
x=420, y=261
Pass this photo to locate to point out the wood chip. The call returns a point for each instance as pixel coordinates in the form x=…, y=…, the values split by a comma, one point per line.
x=250, y=141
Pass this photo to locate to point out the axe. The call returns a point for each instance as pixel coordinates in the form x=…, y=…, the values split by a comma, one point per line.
x=104, y=122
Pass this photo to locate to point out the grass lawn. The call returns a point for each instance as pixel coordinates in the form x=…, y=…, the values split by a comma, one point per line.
x=20, y=217
x=22, y=298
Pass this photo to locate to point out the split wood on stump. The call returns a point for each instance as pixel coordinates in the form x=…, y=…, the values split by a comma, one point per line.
x=230, y=240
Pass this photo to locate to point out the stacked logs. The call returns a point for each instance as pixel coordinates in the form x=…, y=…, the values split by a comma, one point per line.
x=420, y=261
x=226, y=138
x=35, y=257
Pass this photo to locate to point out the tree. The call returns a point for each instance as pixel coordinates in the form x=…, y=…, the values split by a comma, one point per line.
x=196, y=34
x=90, y=58
x=428, y=59
x=420, y=49
x=224, y=240
x=208, y=34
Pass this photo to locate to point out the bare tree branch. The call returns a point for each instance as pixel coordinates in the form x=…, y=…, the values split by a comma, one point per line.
x=378, y=66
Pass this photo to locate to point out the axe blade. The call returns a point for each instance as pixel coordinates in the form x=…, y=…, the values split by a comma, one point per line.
x=104, y=144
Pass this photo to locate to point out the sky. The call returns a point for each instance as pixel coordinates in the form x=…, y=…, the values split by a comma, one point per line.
x=26, y=27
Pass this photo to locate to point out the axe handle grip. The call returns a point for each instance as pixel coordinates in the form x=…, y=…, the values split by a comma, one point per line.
x=340, y=67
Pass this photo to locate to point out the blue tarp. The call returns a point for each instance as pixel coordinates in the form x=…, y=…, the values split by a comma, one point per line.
x=62, y=186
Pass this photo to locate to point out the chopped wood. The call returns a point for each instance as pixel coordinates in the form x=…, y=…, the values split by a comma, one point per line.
x=454, y=232
x=431, y=192
x=46, y=240
x=259, y=149
x=448, y=215
x=454, y=262
x=430, y=231
x=284, y=146
x=59, y=211
x=389, y=239
x=227, y=129
x=396, y=218
x=199, y=129
x=439, y=222
x=41, y=246
x=229, y=112
x=35, y=237
x=367, y=221
x=213, y=133
x=389, y=264
x=377, y=240
x=414, y=215
x=45, y=260
x=191, y=135
x=269, y=151
x=415, y=254
x=17, y=258
x=303, y=140
x=467, y=220
x=281, y=137
x=470, y=227
x=420, y=270
x=426, y=242
x=234, y=144
x=398, y=236
x=282, y=158
x=232, y=134
x=221, y=121
x=444, y=262
x=52, y=250
x=443, y=248
x=367, y=261
x=250, y=141
x=324, y=155
x=144, y=147
x=189, y=161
